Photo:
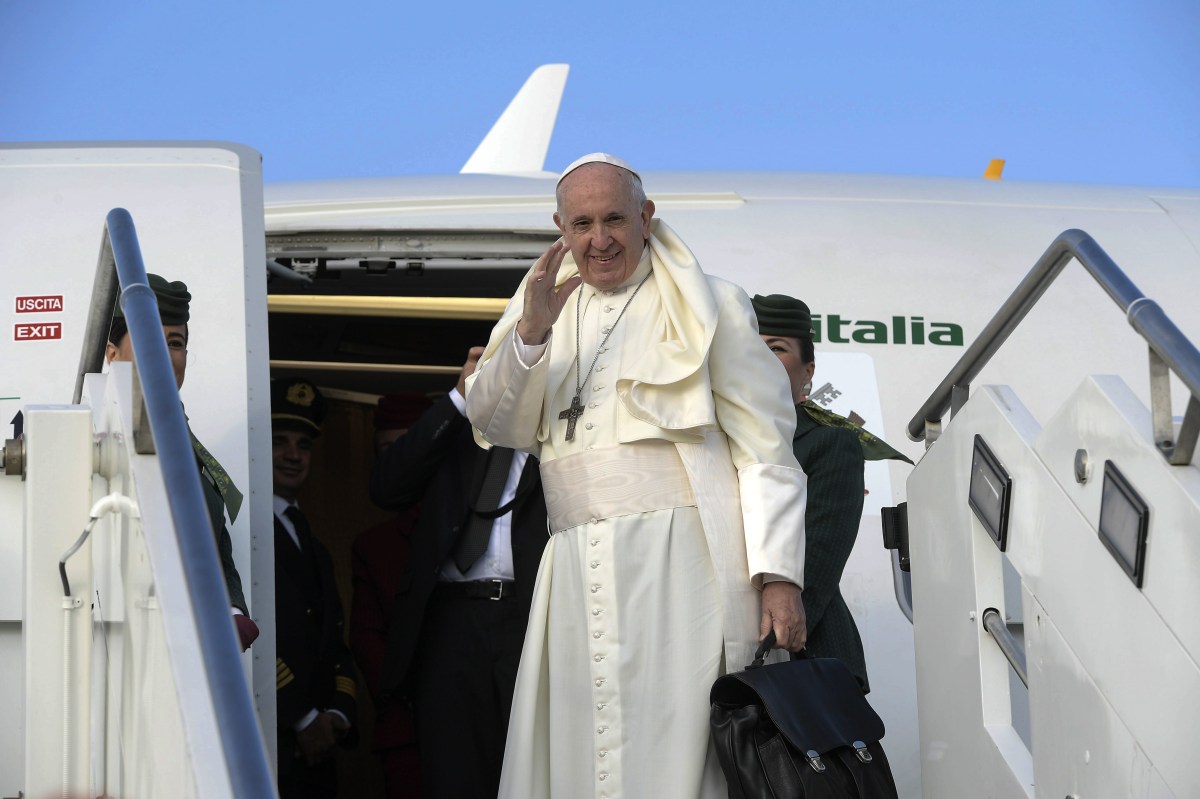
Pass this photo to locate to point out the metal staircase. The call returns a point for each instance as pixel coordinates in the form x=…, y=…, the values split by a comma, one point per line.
x=1053, y=566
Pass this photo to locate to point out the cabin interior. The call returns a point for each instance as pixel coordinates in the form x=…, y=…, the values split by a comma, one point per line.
x=351, y=312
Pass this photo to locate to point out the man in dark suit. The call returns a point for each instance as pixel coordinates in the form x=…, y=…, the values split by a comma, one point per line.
x=314, y=680
x=456, y=632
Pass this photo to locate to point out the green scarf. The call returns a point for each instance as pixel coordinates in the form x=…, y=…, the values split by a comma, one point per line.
x=874, y=448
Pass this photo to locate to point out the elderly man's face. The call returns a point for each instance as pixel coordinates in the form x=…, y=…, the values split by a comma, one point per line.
x=602, y=224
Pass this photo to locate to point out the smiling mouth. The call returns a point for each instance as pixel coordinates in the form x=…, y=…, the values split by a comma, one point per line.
x=604, y=259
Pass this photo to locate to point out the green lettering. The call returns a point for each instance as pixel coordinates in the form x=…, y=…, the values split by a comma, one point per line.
x=835, y=330
x=951, y=336
x=870, y=332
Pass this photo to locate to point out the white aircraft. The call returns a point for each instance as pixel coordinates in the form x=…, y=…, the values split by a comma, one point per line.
x=380, y=285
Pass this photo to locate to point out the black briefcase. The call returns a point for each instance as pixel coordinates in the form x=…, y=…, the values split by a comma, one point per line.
x=798, y=730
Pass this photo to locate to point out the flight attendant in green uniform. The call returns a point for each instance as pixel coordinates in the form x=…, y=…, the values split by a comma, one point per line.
x=832, y=451
x=220, y=494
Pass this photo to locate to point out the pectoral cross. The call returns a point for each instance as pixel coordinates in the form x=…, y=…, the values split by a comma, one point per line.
x=571, y=415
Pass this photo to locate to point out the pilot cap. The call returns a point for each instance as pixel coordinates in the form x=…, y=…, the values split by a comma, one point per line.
x=173, y=300
x=781, y=315
x=297, y=401
x=598, y=158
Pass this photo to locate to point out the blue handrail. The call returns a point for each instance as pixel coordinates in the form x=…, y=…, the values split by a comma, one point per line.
x=241, y=739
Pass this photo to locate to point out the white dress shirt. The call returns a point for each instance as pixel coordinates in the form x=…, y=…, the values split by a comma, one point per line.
x=496, y=563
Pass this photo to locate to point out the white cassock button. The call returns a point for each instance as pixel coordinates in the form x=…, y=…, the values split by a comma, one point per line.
x=595, y=564
x=606, y=329
x=597, y=388
x=595, y=542
x=597, y=611
x=598, y=658
x=601, y=368
x=595, y=587
x=603, y=775
x=597, y=635
x=589, y=426
x=602, y=730
x=603, y=350
x=603, y=753
x=601, y=705
x=593, y=405
x=600, y=682
x=608, y=309
x=593, y=520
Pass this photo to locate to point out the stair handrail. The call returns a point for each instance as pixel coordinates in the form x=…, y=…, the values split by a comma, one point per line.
x=121, y=267
x=1169, y=349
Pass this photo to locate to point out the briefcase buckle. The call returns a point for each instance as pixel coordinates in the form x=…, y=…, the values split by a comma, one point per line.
x=814, y=759
x=861, y=750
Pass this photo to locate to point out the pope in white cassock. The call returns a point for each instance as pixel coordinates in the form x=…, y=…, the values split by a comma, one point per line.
x=664, y=429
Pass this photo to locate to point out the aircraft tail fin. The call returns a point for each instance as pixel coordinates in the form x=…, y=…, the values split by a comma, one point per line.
x=517, y=143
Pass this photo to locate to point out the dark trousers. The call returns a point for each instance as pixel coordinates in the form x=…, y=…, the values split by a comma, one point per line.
x=297, y=779
x=465, y=672
x=401, y=772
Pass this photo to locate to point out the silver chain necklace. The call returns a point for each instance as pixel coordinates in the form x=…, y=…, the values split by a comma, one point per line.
x=573, y=413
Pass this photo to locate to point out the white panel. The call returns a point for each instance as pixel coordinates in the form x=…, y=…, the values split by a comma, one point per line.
x=1110, y=667
x=198, y=212
x=57, y=637
x=968, y=742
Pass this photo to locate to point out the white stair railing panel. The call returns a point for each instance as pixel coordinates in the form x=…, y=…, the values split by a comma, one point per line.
x=1137, y=647
x=963, y=685
x=1106, y=420
x=57, y=629
x=1110, y=667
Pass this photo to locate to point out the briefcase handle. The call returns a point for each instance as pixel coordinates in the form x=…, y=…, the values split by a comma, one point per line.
x=764, y=646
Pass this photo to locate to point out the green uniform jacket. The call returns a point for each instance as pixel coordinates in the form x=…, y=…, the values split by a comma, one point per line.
x=832, y=457
x=216, y=512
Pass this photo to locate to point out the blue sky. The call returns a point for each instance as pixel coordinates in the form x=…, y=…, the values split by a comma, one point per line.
x=1095, y=92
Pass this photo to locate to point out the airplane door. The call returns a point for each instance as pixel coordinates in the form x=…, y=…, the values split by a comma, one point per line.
x=198, y=208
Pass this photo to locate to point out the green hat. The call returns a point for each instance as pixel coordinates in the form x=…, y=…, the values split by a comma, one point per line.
x=297, y=401
x=781, y=315
x=173, y=300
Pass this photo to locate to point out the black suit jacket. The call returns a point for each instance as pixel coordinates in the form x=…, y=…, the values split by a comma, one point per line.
x=314, y=667
x=437, y=463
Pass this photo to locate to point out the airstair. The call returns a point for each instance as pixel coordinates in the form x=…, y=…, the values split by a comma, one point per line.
x=134, y=684
x=1054, y=568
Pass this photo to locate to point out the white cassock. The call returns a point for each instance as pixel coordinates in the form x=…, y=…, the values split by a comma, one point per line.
x=677, y=495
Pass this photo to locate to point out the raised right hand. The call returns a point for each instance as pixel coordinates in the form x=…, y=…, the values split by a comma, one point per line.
x=473, y=356
x=543, y=301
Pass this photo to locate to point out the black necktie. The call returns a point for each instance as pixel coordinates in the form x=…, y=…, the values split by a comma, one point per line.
x=479, y=528
x=300, y=523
